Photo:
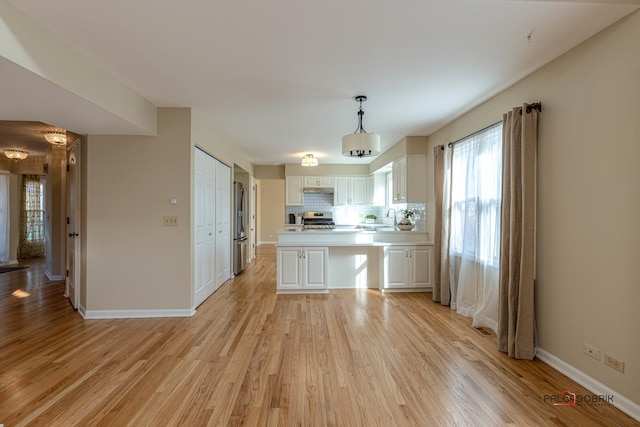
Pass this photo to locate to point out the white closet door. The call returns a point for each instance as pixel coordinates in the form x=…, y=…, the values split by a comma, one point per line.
x=223, y=223
x=204, y=226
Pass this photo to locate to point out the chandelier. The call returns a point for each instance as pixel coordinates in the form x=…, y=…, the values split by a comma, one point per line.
x=56, y=136
x=360, y=143
x=16, y=154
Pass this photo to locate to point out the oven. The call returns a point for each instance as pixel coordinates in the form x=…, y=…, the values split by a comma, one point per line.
x=317, y=220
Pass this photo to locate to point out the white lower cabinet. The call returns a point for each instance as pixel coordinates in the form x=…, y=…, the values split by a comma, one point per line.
x=302, y=269
x=407, y=268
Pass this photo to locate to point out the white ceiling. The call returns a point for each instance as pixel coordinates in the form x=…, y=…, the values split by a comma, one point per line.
x=277, y=78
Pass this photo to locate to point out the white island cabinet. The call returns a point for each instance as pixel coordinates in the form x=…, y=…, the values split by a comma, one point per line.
x=407, y=268
x=302, y=269
x=316, y=261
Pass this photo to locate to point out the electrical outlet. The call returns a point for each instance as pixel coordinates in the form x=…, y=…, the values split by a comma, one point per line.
x=616, y=364
x=590, y=350
x=170, y=221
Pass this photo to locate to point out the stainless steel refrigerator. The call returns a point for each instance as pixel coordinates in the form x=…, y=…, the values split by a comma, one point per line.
x=241, y=212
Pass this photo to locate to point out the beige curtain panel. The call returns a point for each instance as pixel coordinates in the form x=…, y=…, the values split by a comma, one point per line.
x=516, y=311
x=440, y=288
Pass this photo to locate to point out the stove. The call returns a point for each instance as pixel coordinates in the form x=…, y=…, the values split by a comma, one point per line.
x=317, y=220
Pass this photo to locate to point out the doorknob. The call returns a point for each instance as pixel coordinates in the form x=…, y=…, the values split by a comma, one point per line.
x=73, y=234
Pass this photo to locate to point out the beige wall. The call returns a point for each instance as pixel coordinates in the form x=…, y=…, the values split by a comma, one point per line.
x=295, y=169
x=270, y=209
x=269, y=172
x=588, y=199
x=132, y=261
x=407, y=145
x=37, y=51
x=204, y=136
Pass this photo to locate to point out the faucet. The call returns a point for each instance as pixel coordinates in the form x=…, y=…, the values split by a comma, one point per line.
x=395, y=219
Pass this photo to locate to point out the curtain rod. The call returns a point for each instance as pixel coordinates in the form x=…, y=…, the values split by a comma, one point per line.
x=451, y=144
x=535, y=106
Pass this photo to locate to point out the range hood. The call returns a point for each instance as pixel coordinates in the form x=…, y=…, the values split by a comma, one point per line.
x=318, y=190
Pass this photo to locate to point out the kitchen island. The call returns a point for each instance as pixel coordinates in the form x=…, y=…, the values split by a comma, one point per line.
x=314, y=261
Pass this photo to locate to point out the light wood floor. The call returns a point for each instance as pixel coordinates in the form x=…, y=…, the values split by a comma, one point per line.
x=249, y=357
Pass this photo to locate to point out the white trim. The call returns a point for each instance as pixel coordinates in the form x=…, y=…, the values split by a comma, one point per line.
x=82, y=311
x=137, y=314
x=50, y=277
x=619, y=401
x=12, y=262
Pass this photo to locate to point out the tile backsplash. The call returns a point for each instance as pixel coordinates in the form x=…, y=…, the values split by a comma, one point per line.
x=351, y=215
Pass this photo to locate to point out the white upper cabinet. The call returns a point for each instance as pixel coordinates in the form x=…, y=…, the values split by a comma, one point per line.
x=318, y=181
x=293, y=192
x=376, y=189
x=350, y=190
x=410, y=179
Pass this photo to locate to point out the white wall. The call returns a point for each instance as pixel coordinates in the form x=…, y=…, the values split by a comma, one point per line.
x=588, y=199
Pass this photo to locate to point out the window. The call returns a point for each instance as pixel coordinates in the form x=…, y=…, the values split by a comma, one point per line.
x=476, y=187
x=32, y=218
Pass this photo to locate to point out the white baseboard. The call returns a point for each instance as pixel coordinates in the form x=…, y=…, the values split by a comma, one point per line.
x=12, y=262
x=51, y=277
x=349, y=286
x=136, y=314
x=82, y=311
x=619, y=401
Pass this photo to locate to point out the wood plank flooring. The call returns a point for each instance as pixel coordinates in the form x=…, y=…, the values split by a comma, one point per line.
x=250, y=357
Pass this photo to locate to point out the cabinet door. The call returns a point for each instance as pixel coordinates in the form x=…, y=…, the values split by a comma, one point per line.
x=395, y=267
x=289, y=268
x=294, y=195
x=311, y=181
x=315, y=267
x=341, y=194
x=399, y=172
x=358, y=190
x=378, y=189
x=420, y=259
x=325, y=181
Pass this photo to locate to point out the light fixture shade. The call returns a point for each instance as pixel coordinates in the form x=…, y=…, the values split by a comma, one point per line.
x=309, y=161
x=56, y=136
x=361, y=145
x=16, y=154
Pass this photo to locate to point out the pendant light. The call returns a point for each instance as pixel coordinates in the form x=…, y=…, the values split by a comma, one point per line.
x=309, y=161
x=360, y=143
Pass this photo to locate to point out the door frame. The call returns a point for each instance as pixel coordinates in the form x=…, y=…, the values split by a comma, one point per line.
x=73, y=243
